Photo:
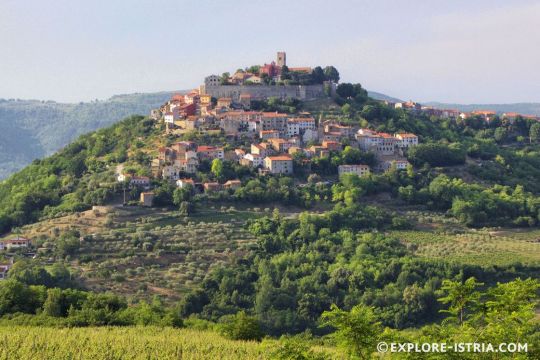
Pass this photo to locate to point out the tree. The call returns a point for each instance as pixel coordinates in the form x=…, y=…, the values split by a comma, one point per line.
x=18, y=297
x=224, y=80
x=345, y=90
x=53, y=303
x=437, y=154
x=254, y=69
x=217, y=168
x=357, y=331
x=241, y=327
x=186, y=208
x=318, y=75
x=500, y=134
x=295, y=349
x=285, y=73
x=346, y=109
x=164, y=194
x=462, y=297
x=331, y=74
x=28, y=272
x=510, y=312
x=534, y=132
x=182, y=194
x=313, y=178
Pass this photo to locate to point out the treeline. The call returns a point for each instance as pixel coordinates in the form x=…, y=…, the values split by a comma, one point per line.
x=72, y=307
x=475, y=205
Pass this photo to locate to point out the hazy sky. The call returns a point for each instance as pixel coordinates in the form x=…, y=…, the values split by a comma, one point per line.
x=453, y=50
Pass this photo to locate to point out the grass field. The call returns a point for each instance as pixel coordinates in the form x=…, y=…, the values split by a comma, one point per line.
x=115, y=343
x=476, y=247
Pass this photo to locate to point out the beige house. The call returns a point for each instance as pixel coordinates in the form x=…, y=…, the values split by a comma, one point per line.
x=147, y=198
x=224, y=102
x=205, y=99
x=280, y=145
x=360, y=170
x=232, y=184
x=406, y=140
x=16, y=243
x=282, y=164
x=211, y=186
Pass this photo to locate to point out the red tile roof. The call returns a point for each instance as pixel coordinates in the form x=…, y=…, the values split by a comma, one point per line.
x=280, y=158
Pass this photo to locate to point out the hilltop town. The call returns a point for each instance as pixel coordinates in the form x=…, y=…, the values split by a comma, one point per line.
x=272, y=141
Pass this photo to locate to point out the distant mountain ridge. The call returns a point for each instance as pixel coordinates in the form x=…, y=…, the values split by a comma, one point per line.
x=522, y=108
x=380, y=96
x=33, y=129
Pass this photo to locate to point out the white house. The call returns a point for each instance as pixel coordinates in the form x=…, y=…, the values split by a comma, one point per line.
x=181, y=183
x=143, y=181
x=256, y=160
x=169, y=118
x=297, y=126
x=399, y=164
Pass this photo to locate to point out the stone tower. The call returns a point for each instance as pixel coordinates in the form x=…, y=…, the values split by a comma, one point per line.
x=281, y=58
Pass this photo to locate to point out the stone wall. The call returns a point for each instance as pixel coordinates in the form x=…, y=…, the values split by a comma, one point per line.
x=302, y=92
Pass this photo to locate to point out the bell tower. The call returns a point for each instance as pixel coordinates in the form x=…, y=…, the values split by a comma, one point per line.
x=281, y=58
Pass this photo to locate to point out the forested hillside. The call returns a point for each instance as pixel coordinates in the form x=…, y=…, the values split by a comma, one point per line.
x=33, y=129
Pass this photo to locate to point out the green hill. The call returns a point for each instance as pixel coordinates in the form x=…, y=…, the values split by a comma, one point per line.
x=278, y=252
x=33, y=129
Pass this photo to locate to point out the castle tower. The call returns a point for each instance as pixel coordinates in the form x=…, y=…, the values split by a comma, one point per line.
x=281, y=58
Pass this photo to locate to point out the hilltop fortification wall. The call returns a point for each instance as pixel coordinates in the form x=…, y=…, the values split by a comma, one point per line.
x=302, y=92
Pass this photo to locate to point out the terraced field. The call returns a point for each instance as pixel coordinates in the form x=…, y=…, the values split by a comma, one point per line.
x=141, y=252
x=476, y=247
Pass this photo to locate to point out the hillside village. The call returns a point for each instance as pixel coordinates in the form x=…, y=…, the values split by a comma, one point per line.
x=276, y=141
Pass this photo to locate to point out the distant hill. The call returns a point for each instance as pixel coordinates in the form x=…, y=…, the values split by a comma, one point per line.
x=33, y=129
x=379, y=96
x=522, y=108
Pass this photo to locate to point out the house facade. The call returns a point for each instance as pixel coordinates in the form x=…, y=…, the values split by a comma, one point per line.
x=282, y=164
x=360, y=170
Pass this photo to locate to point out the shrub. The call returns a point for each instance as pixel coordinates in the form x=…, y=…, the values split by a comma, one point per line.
x=241, y=327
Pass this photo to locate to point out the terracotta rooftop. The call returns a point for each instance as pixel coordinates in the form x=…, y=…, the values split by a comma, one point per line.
x=280, y=158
